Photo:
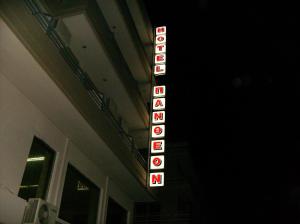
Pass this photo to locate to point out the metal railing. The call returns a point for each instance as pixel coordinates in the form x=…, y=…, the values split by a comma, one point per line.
x=48, y=24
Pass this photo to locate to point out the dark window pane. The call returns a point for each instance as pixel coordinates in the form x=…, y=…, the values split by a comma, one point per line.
x=80, y=198
x=115, y=213
x=38, y=170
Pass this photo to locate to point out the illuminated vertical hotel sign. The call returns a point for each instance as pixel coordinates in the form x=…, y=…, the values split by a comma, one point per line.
x=157, y=142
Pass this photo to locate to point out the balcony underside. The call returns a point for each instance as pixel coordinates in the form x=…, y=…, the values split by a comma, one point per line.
x=103, y=37
x=30, y=61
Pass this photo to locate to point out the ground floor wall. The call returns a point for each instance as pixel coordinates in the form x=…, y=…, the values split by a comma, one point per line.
x=20, y=122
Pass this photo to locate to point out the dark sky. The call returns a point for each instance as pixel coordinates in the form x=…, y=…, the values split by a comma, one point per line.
x=231, y=80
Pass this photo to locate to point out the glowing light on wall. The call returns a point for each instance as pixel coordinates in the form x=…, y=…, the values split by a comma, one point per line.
x=35, y=159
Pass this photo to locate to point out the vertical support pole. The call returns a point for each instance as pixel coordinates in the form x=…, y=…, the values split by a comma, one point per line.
x=102, y=212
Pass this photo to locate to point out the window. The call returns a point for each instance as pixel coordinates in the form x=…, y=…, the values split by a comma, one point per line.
x=38, y=171
x=79, y=204
x=115, y=213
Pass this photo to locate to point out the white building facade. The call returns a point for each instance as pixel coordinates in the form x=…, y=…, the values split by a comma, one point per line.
x=75, y=76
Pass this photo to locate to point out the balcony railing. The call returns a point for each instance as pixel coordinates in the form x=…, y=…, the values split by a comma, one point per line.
x=48, y=24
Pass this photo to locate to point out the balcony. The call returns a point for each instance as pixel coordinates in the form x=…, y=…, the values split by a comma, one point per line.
x=108, y=45
x=60, y=85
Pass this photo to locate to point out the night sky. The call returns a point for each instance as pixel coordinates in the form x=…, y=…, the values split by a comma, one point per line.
x=232, y=95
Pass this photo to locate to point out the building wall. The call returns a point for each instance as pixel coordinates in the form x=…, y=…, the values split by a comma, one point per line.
x=177, y=199
x=20, y=121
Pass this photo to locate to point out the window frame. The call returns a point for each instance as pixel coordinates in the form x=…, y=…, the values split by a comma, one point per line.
x=90, y=182
x=47, y=170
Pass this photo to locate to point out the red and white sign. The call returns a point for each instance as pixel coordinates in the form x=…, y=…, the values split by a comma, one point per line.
x=161, y=30
x=157, y=179
x=160, y=58
x=160, y=69
x=160, y=48
x=158, y=131
x=158, y=117
x=157, y=146
x=157, y=162
x=160, y=39
x=159, y=103
x=159, y=91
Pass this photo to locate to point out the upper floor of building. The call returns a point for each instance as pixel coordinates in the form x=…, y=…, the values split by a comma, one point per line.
x=83, y=69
